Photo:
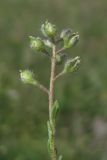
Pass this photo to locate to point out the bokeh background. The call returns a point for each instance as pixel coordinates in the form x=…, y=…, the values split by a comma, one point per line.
x=82, y=124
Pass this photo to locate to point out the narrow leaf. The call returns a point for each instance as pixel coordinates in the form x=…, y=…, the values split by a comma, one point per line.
x=55, y=110
x=49, y=129
x=49, y=136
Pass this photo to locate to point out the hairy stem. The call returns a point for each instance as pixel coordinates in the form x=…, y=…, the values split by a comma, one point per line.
x=59, y=75
x=51, y=93
x=53, y=153
x=40, y=86
x=60, y=50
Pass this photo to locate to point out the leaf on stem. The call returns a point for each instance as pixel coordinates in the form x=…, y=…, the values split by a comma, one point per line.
x=55, y=110
x=49, y=135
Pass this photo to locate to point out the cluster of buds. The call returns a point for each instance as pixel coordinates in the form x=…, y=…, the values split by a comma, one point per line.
x=49, y=31
x=51, y=38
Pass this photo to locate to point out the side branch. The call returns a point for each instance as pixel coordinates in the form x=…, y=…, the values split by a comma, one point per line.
x=60, y=50
x=59, y=75
x=40, y=86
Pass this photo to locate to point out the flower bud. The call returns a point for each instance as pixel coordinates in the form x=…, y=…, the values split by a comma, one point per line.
x=69, y=38
x=48, y=29
x=37, y=44
x=27, y=77
x=71, y=64
x=73, y=41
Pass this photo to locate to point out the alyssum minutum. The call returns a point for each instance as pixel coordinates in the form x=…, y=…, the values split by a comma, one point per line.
x=53, y=45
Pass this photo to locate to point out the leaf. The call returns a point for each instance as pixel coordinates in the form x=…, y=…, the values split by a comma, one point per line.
x=49, y=136
x=48, y=145
x=49, y=129
x=55, y=110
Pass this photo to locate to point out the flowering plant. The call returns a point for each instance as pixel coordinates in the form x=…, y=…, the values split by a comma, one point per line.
x=50, y=47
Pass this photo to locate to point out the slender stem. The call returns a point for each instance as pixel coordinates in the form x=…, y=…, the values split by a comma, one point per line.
x=53, y=153
x=60, y=50
x=59, y=75
x=51, y=93
x=40, y=86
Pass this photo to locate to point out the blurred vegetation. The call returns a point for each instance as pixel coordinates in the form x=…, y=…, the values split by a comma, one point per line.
x=82, y=126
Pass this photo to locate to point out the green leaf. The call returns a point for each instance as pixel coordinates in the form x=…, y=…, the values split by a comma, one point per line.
x=55, y=110
x=49, y=135
x=49, y=129
x=48, y=145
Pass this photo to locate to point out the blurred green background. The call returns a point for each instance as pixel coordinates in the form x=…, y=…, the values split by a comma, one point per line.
x=82, y=124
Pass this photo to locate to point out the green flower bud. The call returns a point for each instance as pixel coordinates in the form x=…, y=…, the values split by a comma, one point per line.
x=48, y=29
x=70, y=42
x=71, y=64
x=27, y=77
x=37, y=44
x=73, y=41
